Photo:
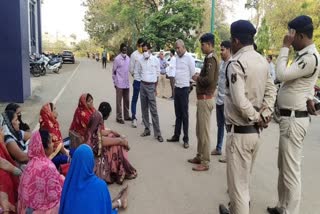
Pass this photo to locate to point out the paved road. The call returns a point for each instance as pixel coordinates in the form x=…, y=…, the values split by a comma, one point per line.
x=166, y=183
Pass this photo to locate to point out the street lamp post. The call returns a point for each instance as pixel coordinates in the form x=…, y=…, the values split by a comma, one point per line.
x=212, y=17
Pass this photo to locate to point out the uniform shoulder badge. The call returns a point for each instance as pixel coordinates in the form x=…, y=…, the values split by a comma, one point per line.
x=233, y=78
x=302, y=64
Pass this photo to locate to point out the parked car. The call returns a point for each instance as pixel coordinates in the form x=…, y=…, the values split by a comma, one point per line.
x=199, y=65
x=68, y=56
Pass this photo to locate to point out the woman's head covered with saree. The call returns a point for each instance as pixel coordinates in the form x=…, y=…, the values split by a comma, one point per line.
x=48, y=121
x=41, y=184
x=82, y=114
x=83, y=191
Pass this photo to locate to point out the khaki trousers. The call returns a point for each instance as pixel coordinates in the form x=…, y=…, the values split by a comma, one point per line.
x=204, y=109
x=292, y=132
x=241, y=151
x=162, y=85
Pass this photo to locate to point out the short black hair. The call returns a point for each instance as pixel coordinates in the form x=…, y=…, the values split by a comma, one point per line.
x=122, y=46
x=270, y=57
x=172, y=51
x=207, y=38
x=146, y=44
x=140, y=40
x=12, y=107
x=45, y=137
x=226, y=44
x=88, y=97
x=309, y=33
x=244, y=39
x=105, y=109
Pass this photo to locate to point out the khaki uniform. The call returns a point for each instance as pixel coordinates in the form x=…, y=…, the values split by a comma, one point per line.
x=248, y=87
x=206, y=85
x=298, y=82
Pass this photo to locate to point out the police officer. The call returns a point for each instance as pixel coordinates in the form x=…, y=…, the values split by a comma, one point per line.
x=206, y=85
x=249, y=98
x=294, y=100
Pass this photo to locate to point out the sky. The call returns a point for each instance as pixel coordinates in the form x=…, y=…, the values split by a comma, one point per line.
x=64, y=17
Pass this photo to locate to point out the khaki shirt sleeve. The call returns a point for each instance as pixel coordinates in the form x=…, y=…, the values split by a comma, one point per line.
x=303, y=67
x=270, y=94
x=236, y=79
x=209, y=73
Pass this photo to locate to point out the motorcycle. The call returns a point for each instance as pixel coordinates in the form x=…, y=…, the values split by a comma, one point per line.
x=36, y=66
x=53, y=64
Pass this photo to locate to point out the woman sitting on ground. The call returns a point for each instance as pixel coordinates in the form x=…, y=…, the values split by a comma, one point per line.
x=41, y=184
x=109, y=148
x=81, y=117
x=84, y=192
x=48, y=121
x=9, y=180
x=17, y=109
x=14, y=138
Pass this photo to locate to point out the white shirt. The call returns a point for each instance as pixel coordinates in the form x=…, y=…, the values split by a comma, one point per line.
x=149, y=69
x=133, y=68
x=272, y=70
x=185, y=69
x=171, y=69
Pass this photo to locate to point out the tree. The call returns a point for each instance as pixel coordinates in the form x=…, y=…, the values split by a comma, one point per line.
x=263, y=37
x=179, y=19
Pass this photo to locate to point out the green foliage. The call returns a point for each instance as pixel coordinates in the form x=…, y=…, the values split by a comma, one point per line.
x=85, y=46
x=263, y=37
x=279, y=13
x=176, y=20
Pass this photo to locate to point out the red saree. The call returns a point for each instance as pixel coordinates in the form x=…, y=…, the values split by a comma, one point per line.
x=8, y=182
x=81, y=116
x=49, y=122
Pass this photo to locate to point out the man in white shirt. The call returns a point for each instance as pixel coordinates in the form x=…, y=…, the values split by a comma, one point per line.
x=134, y=58
x=185, y=70
x=171, y=70
x=149, y=70
x=271, y=67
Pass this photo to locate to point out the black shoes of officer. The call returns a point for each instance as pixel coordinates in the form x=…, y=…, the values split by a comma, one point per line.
x=120, y=121
x=173, y=139
x=223, y=209
x=185, y=145
x=160, y=139
x=274, y=210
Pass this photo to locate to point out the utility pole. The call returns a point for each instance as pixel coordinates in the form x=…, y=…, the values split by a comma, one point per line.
x=212, y=17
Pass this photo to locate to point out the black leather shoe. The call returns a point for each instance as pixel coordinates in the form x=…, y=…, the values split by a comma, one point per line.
x=274, y=210
x=223, y=209
x=128, y=119
x=160, y=139
x=173, y=139
x=185, y=145
x=145, y=133
x=120, y=121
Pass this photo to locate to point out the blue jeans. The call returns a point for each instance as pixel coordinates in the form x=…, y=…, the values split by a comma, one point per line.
x=220, y=124
x=134, y=100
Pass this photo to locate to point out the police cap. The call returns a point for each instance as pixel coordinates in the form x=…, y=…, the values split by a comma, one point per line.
x=242, y=28
x=301, y=24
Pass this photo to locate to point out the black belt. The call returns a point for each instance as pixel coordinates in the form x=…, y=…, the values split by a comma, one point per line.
x=243, y=129
x=148, y=83
x=287, y=113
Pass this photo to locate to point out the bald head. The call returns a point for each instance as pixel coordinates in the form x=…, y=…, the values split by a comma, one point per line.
x=180, y=48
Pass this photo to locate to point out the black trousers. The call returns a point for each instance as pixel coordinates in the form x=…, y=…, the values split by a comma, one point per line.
x=181, y=107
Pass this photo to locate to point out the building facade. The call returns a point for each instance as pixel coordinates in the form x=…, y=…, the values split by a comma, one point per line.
x=20, y=36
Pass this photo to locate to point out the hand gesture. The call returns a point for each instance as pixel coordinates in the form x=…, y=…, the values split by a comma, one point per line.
x=311, y=108
x=288, y=39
